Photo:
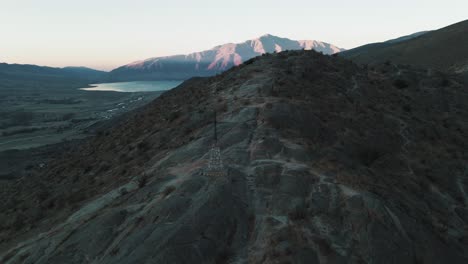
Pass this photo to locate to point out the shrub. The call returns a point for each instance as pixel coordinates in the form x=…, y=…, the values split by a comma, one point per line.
x=22, y=118
x=88, y=168
x=369, y=154
x=407, y=108
x=123, y=191
x=247, y=62
x=68, y=116
x=222, y=107
x=143, y=145
x=274, y=93
x=400, y=84
x=142, y=181
x=174, y=115
x=114, y=251
x=168, y=190
x=223, y=255
x=445, y=82
x=298, y=213
x=42, y=195
x=104, y=167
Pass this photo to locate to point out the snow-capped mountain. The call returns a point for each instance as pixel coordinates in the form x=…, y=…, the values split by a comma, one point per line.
x=213, y=61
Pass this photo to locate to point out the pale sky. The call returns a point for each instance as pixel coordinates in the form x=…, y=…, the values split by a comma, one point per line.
x=104, y=34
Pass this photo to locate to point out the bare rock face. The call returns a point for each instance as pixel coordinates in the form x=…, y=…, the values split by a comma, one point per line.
x=326, y=162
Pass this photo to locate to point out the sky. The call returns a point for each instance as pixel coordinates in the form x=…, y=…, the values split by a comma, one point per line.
x=105, y=34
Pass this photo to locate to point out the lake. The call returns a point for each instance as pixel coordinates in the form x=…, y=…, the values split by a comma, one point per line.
x=137, y=86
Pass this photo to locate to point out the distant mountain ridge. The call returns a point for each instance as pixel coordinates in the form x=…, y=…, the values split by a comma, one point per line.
x=85, y=73
x=443, y=49
x=408, y=37
x=17, y=76
x=212, y=61
x=359, y=51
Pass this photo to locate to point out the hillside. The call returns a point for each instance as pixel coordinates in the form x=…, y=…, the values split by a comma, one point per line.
x=443, y=49
x=213, y=61
x=364, y=49
x=21, y=76
x=86, y=73
x=326, y=162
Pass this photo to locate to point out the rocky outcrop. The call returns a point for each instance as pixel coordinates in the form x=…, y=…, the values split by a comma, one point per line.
x=326, y=162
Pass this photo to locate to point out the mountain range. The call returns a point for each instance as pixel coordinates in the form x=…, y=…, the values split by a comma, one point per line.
x=212, y=61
